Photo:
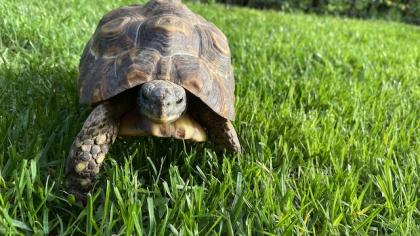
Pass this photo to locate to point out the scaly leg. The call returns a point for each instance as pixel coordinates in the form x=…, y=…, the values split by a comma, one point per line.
x=223, y=135
x=89, y=149
x=220, y=131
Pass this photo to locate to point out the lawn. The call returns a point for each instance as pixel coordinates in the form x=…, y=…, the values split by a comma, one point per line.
x=328, y=114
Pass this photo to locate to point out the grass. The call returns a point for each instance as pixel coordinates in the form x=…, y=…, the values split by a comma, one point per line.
x=328, y=114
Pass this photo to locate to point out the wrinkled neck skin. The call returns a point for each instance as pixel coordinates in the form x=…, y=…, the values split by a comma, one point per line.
x=161, y=101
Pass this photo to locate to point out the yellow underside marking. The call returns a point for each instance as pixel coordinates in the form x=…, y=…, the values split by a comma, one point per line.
x=133, y=124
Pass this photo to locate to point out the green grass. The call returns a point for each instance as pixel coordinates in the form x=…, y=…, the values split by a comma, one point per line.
x=328, y=115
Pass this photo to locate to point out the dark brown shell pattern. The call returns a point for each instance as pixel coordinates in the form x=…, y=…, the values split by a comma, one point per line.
x=160, y=40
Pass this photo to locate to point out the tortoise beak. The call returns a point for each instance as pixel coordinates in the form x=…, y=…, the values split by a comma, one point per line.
x=164, y=119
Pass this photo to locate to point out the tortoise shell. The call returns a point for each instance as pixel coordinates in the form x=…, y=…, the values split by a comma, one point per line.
x=161, y=40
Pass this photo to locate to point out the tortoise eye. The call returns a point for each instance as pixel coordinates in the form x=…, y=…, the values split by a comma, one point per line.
x=179, y=101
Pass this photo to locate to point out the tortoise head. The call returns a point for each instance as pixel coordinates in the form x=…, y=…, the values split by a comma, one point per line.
x=161, y=101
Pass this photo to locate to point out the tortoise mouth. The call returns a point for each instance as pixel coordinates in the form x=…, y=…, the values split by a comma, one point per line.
x=161, y=119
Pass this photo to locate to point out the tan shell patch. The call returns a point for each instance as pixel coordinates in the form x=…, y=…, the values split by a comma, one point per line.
x=220, y=42
x=135, y=74
x=97, y=96
x=164, y=68
x=113, y=27
x=172, y=24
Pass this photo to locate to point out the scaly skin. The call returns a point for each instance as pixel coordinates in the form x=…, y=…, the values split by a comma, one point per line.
x=220, y=131
x=223, y=136
x=88, y=150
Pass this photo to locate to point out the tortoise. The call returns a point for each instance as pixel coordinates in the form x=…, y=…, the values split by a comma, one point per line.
x=152, y=70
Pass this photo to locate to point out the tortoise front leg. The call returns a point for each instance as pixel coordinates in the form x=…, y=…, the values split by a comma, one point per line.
x=220, y=131
x=88, y=150
x=223, y=135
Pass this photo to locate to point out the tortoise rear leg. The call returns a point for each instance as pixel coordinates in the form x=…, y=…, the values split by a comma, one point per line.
x=89, y=149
